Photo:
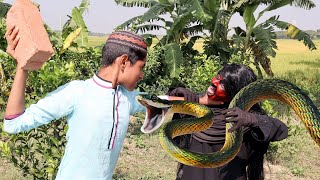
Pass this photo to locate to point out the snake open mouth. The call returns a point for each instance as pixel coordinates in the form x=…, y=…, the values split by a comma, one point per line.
x=154, y=116
x=153, y=120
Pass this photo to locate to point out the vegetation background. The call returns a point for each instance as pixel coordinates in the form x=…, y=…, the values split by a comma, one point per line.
x=183, y=56
x=294, y=158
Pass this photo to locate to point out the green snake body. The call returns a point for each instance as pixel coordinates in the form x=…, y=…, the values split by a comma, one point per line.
x=245, y=99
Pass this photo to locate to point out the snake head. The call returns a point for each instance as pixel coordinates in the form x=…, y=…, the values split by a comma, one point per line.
x=153, y=101
x=156, y=110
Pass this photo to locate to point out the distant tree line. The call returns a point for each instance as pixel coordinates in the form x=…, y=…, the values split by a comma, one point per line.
x=96, y=34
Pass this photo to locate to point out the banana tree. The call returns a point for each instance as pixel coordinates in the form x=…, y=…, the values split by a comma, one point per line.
x=182, y=25
x=259, y=39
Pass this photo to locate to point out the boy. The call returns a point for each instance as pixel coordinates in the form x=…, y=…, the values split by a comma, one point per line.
x=97, y=109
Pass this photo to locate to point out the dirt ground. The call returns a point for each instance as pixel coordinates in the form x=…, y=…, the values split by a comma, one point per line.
x=278, y=172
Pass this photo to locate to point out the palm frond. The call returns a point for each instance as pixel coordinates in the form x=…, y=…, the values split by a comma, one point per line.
x=220, y=32
x=78, y=19
x=180, y=23
x=70, y=39
x=265, y=39
x=84, y=6
x=296, y=33
x=174, y=58
x=154, y=12
x=193, y=30
x=148, y=27
x=220, y=25
x=137, y=3
x=238, y=39
x=306, y=4
x=212, y=7
x=261, y=58
x=239, y=4
x=128, y=23
x=197, y=9
x=265, y=36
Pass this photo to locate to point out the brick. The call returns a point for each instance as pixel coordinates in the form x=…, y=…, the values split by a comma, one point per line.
x=34, y=47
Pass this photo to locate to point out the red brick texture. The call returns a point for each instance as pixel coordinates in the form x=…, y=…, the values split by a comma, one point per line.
x=34, y=47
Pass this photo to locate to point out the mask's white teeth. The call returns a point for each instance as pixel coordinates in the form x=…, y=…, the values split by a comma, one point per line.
x=211, y=91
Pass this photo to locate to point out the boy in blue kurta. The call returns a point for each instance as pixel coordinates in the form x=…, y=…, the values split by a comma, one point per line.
x=97, y=109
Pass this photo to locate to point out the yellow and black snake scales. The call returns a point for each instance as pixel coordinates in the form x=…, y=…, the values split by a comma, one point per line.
x=245, y=99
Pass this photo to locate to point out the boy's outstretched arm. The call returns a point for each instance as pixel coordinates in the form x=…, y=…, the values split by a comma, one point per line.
x=16, y=101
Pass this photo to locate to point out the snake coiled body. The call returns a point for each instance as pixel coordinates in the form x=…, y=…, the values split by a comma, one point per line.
x=245, y=99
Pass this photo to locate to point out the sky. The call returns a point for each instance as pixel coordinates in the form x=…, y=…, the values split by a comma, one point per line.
x=105, y=15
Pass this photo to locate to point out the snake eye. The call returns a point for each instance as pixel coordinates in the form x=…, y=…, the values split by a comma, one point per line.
x=154, y=97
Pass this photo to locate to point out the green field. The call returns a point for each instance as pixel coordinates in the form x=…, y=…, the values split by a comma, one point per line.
x=96, y=40
x=297, y=157
x=293, y=55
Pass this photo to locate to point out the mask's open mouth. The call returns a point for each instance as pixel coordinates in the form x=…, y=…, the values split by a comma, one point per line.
x=211, y=90
x=155, y=116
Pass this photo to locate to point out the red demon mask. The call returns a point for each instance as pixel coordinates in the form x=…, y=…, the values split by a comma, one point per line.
x=216, y=91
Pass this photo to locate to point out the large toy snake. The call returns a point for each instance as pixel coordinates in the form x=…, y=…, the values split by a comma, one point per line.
x=245, y=99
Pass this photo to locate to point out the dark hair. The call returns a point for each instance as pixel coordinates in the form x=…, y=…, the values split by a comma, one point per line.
x=235, y=77
x=111, y=51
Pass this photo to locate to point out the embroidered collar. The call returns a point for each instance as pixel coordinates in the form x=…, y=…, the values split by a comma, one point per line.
x=101, y=82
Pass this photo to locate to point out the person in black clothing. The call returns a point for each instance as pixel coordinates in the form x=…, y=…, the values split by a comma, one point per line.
x=259, y=129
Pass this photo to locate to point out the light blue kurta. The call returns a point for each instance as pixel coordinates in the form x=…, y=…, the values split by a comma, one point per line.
x=97, y=117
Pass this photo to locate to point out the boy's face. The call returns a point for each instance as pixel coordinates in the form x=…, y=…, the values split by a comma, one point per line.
x=132, y=74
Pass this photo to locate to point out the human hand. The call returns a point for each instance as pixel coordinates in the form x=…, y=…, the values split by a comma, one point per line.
x=182, y=94
x=240, y=118
x=12, y=38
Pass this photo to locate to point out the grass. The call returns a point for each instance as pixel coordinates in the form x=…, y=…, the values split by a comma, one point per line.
x=96, y=40
x=293, y=56
x=296, y=157
x=142, y=156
